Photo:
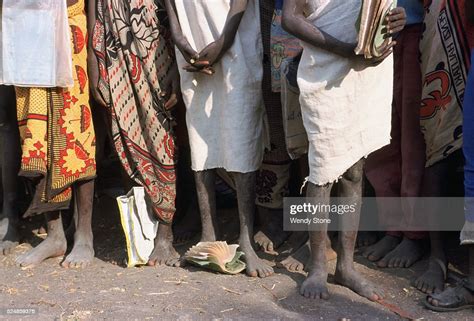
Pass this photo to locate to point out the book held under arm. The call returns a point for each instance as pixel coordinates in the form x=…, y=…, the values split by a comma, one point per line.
x=372, y=27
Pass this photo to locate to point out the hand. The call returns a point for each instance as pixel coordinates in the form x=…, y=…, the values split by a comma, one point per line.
x=212, y=52
x=98, y=97
x=396, y=20
x=200, y=66
x=189, y=54
x=172, y=88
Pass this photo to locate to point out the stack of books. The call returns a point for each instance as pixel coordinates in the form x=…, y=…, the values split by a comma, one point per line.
x=372, y=27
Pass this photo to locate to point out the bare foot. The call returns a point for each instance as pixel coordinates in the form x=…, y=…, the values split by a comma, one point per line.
x=381, y=248
x=49, y=248
x=164, y=254
x=81, y=256
x=298, y=260
x=267, y=241
x=315, y=286
x=452, y=299
x=353, y=280
x=271, y=236
x=432, y=281
x=404, y=255
x=9, y=237
x=366, y=238
x=255, y=266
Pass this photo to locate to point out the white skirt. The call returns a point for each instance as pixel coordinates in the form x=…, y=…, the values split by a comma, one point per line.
x=346, y=104
x=225, y=114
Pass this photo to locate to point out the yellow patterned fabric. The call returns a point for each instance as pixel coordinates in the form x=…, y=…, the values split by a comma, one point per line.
x=56, y=129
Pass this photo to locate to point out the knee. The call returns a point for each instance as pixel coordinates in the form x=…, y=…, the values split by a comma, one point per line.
x=355, y=173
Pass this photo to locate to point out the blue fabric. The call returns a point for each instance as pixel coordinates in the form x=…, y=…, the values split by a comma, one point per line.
x=278, y=4
x=414, y=9
x=468, y=144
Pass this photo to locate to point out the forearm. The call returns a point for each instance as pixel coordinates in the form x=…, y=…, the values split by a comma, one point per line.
x=234, y=17
x=176, y=33
x=294, y=22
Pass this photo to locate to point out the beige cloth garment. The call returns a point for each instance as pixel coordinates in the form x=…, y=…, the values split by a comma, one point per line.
x=225, y=114
x=346, y=104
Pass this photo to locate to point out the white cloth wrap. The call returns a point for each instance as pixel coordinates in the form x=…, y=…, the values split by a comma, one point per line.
x=225, y=114
x=346, y=104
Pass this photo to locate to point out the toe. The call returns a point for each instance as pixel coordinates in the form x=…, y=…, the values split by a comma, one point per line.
x=407, y=263
x=252, y=273
x=424, y=288
x=391, y=262
x=270, y=247
x=382, y=263
x=372, y=258
x=398, y=263
x=324, y=295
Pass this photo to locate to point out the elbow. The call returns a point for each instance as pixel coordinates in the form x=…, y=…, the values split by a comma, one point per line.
x=287, y=24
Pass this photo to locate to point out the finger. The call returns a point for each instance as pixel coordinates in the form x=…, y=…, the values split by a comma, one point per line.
x=395, y=24
x=397, y=11
x=396, y=16
x=208, y=71
x=190, y=68
x=397, y=29
x=201, y=63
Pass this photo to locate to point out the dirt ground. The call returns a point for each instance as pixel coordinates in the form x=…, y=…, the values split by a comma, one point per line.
x=108, y=290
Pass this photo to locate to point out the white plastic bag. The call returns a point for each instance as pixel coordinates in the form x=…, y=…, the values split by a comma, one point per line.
x=35, y=46
x=139, y=225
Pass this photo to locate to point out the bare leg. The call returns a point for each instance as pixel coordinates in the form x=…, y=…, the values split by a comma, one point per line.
x=82, y=252
x=205, y=186
x=432, y=280
x=350, y=187
x=435, y=178
x=9, y=237
x=164, y=252
x=54, y=245
x=315, y=285
x=245, y=185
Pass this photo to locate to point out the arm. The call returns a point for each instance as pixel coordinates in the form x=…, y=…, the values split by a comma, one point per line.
x=177, y=34
x=92, y=63
x=214, y=51
x=295, y=23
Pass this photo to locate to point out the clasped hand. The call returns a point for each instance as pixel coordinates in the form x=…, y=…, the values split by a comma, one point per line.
x=204, y=60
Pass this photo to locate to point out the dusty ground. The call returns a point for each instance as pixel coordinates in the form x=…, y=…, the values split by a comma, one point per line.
x=108, y=290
